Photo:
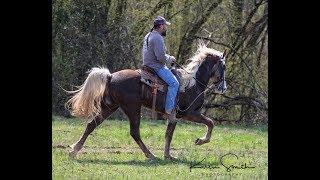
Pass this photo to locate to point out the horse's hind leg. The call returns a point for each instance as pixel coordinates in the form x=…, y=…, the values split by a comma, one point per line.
x=76, y=147
x=199, y=118
x=133, y=112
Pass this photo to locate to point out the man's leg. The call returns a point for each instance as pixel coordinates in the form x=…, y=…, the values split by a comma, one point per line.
x=173, y=85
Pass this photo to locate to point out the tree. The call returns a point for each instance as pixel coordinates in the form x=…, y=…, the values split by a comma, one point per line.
x=109, y=33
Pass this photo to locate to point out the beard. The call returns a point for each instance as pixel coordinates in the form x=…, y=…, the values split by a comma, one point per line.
x=164, y=33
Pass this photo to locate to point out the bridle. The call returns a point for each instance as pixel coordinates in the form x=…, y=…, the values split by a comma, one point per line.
x=222, y=79
x=221, y=63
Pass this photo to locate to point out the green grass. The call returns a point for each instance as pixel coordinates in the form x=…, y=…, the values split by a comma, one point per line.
x=111, y=153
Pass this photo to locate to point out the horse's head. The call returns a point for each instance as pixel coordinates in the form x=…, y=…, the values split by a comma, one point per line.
x=207, y=64
x=217, y=73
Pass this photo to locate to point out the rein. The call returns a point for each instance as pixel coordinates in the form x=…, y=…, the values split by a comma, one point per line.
x=206, y=89
x=193, y=100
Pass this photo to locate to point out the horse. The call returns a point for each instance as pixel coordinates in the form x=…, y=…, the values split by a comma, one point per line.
x=103, y=93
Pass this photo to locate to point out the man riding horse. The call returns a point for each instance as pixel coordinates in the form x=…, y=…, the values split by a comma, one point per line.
x=103, y=92
x=154, y=56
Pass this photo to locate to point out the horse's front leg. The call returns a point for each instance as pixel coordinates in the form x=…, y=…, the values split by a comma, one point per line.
x=199, y=118
x=170, y=129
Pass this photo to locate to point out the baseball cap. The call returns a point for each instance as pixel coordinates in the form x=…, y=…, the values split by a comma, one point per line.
x=160, y=20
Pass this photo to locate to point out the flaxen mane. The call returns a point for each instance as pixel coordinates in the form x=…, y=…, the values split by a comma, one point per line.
x=187, y=79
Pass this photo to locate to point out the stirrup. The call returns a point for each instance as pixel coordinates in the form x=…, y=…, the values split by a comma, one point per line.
x=168, y=112
x=172, y=116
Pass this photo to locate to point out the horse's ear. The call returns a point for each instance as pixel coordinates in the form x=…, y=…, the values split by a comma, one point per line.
x=224, y=54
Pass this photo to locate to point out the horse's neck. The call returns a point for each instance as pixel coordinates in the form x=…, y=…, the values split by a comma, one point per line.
x=201, y=82
x=202, y=77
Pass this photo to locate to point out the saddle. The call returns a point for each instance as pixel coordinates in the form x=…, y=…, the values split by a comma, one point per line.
x=150, y=78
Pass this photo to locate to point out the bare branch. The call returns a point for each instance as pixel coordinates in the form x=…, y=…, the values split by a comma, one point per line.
x=239, y=100
x=176, y=13
x=241, y=58
x=185, y=45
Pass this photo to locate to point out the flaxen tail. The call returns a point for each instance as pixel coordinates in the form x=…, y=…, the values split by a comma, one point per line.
x=86, y=101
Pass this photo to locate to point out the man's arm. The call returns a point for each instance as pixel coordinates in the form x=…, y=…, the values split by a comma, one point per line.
x=160, y=51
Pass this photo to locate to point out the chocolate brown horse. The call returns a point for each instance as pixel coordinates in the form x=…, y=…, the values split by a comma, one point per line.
x=102, y=93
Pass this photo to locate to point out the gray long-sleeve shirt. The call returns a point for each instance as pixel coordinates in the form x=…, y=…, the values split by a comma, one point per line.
x=154, y=53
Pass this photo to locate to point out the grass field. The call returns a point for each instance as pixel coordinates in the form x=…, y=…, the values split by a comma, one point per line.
x=235, y=152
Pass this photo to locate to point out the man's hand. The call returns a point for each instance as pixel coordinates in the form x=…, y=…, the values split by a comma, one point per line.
x=172, y=58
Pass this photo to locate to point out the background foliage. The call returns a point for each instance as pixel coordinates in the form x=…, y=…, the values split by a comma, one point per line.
x=108, y=33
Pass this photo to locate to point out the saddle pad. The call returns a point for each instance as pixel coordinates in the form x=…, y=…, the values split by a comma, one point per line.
x=149, y=79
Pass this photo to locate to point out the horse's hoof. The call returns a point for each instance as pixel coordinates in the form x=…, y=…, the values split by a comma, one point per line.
x=152, y=156
x=72, y=146
x=169, y=157
x=200, y=141
x=72, y=154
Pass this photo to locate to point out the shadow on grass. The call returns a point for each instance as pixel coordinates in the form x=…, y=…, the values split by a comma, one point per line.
x=147, y=162
x=148, y=122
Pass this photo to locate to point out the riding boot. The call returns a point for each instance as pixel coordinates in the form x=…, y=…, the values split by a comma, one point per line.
x=171, y=115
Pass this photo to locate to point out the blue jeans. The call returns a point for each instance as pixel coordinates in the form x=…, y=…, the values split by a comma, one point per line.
x=173, y=85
